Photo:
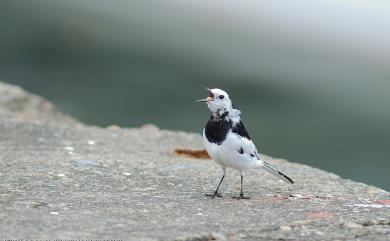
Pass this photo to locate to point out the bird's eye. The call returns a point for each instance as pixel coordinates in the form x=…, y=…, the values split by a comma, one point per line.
x=221, y=97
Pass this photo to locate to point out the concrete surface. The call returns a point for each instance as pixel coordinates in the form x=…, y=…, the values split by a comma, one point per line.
x=60, y=179
x=16, y=102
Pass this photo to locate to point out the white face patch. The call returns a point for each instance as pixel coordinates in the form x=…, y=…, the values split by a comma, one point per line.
x=222, y=104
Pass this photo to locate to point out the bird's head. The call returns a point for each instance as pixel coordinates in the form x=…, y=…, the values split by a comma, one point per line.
x=218, y=101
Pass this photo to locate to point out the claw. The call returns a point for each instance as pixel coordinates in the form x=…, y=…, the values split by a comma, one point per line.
x=241, y=197
x=215, y=194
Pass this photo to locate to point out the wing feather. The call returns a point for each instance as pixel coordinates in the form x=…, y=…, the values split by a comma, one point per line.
x=246, y=143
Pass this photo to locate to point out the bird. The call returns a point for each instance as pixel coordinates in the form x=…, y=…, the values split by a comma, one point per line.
x=228, y=143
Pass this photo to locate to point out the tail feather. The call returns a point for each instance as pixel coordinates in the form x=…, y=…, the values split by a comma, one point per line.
x=268, y=167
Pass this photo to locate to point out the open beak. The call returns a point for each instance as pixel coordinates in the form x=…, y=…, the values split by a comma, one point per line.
x=208, y=99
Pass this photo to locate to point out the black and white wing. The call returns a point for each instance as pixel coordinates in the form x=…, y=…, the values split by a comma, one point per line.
x=247, y=146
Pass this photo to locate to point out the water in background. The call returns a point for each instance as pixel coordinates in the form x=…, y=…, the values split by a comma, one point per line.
x=313, y=87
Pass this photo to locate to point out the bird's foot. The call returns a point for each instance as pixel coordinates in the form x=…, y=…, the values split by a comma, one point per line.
x=215, y=194
x=241, y=197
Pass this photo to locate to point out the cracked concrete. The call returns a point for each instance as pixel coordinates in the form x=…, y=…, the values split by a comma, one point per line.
x=62, y=179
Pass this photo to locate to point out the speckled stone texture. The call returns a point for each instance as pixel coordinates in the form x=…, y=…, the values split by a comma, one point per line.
x=60, y=179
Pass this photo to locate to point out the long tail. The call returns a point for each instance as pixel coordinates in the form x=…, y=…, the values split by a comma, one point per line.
x=268, y=167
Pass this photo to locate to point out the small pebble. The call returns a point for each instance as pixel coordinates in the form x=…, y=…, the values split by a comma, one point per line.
x=352, y=225
x=90, y=142
x=69, y=148
x=61, y=175
x=376, y=206
x=54, y=213
x=285, y=228
x=295, y=195
x=126, y=174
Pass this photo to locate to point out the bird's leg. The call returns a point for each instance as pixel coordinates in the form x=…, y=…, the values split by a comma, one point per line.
x=216, y=193
x=241, y=192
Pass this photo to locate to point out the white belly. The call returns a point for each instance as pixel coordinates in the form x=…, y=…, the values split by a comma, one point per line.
x=227, y=154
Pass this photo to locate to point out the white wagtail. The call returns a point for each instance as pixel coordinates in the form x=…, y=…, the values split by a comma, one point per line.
x=227, y=141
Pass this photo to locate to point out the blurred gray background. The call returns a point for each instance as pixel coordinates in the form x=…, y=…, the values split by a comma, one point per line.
x=312, y=77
